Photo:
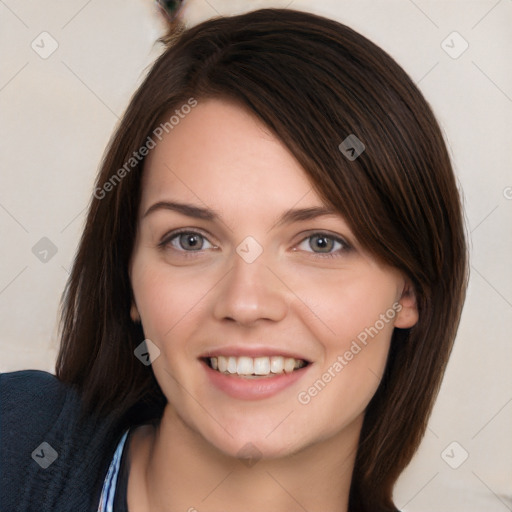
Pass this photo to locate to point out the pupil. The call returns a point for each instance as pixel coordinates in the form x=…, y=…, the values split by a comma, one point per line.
x=323, y=243
x=190, y=241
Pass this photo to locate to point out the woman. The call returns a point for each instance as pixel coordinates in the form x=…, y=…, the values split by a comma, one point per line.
x=266, y=291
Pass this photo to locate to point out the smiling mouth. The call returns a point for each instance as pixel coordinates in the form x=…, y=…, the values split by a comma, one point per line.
x=255, y=367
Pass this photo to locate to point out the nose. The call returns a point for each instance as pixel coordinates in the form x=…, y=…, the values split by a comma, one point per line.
x=250, y=292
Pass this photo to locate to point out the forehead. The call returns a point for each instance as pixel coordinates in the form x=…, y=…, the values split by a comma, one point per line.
x=222, y=155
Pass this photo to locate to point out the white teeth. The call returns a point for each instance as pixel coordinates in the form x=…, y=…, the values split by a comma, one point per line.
x=244, y=366
x=232, y=365
x=276, y=364
x=255, y=366
x=262, y=365
x=223, y=364
x=289, y=364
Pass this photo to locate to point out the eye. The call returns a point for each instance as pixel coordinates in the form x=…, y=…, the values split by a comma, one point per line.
x=188, y=241
x=323, y=244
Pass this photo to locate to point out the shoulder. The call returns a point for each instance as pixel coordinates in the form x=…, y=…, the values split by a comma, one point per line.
x=30, y=400
x=15, y=387
x=51, y=459
x=25, y=379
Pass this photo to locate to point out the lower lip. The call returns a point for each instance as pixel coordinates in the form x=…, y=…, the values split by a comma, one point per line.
x=253, y=389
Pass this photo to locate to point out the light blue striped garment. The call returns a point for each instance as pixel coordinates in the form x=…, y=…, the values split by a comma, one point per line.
x=109, y=485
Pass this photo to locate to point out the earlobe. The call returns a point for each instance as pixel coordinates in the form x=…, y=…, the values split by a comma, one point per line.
x=408, y=315
x=134, y=313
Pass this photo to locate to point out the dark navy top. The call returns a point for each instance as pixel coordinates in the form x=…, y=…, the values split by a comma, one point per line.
x=52, y=459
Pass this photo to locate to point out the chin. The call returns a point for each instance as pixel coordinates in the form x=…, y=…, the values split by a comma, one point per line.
x=250, y=450
x=255, y=441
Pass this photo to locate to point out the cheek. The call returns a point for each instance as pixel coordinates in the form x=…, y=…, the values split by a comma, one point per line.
x=342, y=307
x=167, y=301
x=352, y=320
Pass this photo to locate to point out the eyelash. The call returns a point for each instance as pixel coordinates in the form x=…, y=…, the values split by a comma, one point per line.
x=345, y=246
x=166, y=241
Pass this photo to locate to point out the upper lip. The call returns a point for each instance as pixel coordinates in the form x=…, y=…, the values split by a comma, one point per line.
x=251, y=351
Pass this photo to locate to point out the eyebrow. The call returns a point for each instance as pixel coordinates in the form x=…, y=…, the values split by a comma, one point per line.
x=189, y=210
x=198, y=212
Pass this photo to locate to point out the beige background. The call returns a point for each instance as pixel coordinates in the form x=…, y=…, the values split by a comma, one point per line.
x=57, y=116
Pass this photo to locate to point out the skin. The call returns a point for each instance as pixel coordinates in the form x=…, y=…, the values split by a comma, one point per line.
x=291, y=297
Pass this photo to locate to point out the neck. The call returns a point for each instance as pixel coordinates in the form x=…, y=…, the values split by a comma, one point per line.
x=178, y=470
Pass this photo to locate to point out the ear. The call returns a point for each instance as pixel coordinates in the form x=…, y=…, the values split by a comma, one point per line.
x=408, y=315
x=134, y=313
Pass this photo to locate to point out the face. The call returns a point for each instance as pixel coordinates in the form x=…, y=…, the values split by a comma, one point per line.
x=273, y=324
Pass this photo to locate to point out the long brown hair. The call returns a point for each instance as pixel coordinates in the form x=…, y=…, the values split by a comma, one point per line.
x=313, y=82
